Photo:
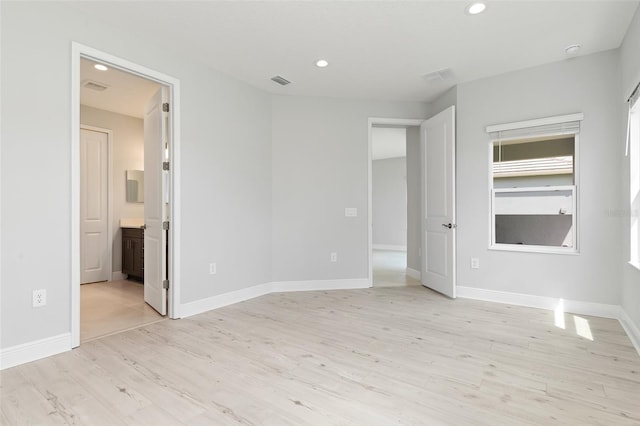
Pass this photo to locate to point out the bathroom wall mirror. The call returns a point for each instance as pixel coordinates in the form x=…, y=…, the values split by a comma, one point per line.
x=135, y=186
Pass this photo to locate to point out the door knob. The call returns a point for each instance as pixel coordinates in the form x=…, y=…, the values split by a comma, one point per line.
x=448, y=225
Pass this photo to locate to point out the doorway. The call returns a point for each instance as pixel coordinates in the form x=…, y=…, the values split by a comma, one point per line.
x=437, y=227
x=389, y=264
x=395, y=205
x=142, y=195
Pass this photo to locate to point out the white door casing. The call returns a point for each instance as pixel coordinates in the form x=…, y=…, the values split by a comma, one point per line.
x=437, y=141
x=155, y=237
x=79, y=51
x=94, y=210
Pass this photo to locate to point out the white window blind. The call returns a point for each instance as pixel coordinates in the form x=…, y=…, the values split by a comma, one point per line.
x=563, y=124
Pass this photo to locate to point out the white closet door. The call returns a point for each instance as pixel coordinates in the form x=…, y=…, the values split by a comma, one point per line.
x=94, y=186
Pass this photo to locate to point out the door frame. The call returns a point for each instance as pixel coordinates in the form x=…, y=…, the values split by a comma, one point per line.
x=79, y=51
x=373, y=121
x=109, y=134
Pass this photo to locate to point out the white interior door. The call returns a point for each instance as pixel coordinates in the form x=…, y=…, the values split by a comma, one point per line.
x=437, y=137
x=94, y=209
x=155, y=237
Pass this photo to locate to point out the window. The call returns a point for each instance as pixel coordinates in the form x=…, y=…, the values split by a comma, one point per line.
x=634, y=181
x=533, y=185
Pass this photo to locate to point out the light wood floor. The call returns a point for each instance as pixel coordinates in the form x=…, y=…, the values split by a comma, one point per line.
x=381, y=356
x=112, y=307
x=390, y=269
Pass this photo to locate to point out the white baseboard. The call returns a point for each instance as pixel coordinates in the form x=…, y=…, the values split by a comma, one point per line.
x=413, y=273
x=631, y=328
x=32, y=351
x=315, y=285
x=225, y=299
x=389, y=247
x=118, y=276
x=542, y=302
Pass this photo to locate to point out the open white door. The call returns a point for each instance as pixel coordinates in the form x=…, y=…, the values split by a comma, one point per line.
x=155, y=237
x=437, y=140
x=94, y=177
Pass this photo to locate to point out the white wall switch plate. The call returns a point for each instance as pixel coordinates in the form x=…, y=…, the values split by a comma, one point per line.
x=475, y=263
x=334, y=257
x=39, y=298
x=351, y=212
x=213, y=268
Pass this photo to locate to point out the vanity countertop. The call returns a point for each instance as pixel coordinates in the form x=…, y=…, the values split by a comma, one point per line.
x=131, y=223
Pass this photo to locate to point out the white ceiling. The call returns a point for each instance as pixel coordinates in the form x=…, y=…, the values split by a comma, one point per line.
x=376, y=49
x=127, y=93
x=388, y=142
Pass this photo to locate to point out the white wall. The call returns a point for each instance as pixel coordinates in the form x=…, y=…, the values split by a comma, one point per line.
x=584, y=84
x=389, y=204
x=226, y=172
x=630, y=66
x=127, y=149
x=414, y=198
x=320, y=167
x=444, y=101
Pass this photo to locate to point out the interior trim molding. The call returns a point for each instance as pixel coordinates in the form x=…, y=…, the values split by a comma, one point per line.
x=389, y=247
x=631, y=328
x=32, y=351
x=318, y=285
x=224, y=299
x=414, y=273
x=541, y=302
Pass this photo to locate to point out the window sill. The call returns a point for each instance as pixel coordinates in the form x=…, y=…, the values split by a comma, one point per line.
x=534, y=249
x=634, y=264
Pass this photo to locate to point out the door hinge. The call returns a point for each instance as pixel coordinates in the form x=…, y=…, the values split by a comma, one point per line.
x=165, y=165
x=165, y=225
x=165, y=284
x=165, y=107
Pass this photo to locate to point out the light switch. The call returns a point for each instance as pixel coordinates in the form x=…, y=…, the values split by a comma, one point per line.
x=351, y=212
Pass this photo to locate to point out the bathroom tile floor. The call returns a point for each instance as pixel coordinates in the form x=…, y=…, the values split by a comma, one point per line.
x=111, y=307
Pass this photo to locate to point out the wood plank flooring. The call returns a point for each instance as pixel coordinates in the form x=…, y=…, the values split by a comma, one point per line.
x=380, y=356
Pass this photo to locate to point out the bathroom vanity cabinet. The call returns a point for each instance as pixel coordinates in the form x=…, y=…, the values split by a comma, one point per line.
x=133, y=253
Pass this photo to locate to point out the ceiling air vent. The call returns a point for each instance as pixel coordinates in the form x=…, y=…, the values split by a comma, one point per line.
x=94, y=85
x=280, y=80
x=438, y=76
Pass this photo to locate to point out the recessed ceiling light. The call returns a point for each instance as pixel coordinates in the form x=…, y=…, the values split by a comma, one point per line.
x=573, y=49
x=100, y=67
x=476, y=8
x=321, y=63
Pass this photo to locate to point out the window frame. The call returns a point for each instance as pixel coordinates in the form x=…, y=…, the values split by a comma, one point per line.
x=634, y=173
x=575, y=249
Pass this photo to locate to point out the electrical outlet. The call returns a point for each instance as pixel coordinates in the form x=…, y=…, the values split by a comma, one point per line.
x=213, y=268
x=39, y=298
x=475, y=263
x=334, y=257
